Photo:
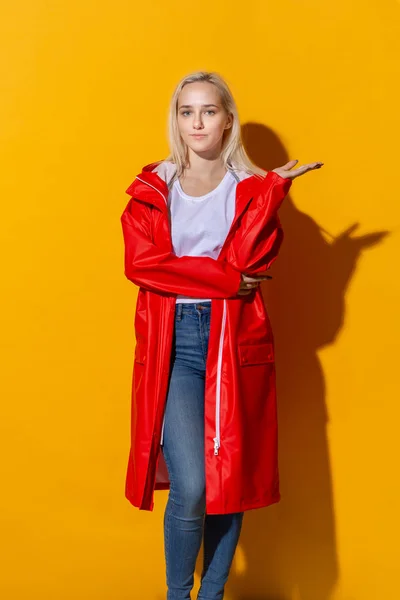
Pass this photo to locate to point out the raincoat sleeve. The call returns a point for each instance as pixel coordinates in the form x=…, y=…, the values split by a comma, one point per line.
x=161, y=271
x=256, y=242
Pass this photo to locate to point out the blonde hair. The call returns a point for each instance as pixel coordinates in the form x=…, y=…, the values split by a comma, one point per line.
x=233, y=154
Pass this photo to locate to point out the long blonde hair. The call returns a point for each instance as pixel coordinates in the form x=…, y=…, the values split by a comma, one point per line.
x=233, y=154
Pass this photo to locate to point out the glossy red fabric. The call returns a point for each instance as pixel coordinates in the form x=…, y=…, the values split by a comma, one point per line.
x=241, y=461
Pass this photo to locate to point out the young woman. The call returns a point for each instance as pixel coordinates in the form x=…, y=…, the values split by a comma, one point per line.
x=200, y=230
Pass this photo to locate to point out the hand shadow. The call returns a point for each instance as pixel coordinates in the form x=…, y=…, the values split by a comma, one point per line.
x=288, y=550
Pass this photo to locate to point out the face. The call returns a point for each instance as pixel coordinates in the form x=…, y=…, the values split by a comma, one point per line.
x=200, y=112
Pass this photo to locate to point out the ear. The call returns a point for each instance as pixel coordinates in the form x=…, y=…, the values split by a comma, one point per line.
x=229, y=122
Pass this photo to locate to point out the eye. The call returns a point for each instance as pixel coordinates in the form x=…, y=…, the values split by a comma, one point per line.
x=186, y=112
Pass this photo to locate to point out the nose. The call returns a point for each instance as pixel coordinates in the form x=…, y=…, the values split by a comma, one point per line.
x=197, y=122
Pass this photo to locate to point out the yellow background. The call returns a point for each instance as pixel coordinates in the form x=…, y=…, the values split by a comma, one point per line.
x=85, y=92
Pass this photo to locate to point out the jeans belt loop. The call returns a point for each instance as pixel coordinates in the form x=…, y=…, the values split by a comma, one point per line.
x=179, y=311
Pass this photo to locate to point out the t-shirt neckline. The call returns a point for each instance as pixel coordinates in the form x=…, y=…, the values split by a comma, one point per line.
x=199, y=198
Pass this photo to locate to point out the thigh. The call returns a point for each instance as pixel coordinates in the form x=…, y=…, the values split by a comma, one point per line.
x=183, y=445
x=183, y=441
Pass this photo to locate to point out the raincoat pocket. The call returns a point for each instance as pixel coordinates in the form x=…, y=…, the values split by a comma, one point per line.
x=256, y=354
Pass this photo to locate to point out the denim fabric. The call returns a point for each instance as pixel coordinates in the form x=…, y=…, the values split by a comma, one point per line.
x=185, y=521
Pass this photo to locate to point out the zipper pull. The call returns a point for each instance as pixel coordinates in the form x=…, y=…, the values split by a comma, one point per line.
x=216, y=446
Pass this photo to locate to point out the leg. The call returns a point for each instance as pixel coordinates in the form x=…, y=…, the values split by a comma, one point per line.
x=221, y=535
x=183, y=450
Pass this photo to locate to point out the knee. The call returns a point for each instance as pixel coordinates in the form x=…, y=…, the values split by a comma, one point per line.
x=192, y=498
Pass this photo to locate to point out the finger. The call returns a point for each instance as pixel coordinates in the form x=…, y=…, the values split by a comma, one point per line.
x=262, y=276
x=313, y=165
x=286, y=167
x=249, y=278
x=304, y=169
x=290, y=164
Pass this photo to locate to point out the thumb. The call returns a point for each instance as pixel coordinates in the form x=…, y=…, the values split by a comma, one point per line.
x=286, y=167
x=290, y=164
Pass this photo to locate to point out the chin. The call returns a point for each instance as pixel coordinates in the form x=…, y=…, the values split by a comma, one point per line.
x=200, y=144
x=199, y=148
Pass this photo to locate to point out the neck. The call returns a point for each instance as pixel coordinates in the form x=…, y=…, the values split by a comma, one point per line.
x=205, y=167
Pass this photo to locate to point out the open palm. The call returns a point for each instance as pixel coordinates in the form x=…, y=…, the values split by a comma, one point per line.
x=286, y=173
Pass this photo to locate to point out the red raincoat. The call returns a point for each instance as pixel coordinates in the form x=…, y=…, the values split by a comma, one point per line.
x=241, y=462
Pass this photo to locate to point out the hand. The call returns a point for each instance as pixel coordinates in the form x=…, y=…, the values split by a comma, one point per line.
x=287, y=174
x=248, y=283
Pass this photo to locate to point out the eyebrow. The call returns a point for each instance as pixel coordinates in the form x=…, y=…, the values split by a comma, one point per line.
x=203, y=105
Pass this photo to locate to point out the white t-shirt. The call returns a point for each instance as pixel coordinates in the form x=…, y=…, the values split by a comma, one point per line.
x=199, y=225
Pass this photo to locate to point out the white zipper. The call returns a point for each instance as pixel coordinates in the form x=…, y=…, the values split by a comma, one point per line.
x=217, y=439
x=162, y=430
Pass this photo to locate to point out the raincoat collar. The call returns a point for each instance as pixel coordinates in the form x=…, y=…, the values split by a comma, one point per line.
x=153, y=183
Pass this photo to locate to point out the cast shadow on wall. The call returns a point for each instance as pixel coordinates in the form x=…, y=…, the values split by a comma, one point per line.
x=289, y=550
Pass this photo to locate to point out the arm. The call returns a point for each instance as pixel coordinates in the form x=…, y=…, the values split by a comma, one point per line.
x=160, y=271
x=256, y=243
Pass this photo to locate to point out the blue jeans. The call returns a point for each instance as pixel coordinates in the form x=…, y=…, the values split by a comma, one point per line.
x=185, y=520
